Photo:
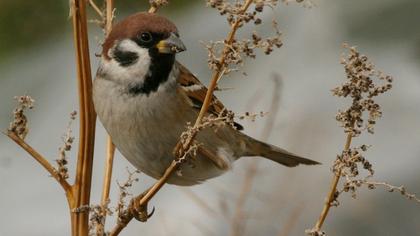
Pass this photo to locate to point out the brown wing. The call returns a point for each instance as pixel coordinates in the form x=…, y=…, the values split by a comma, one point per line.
x=196, y=91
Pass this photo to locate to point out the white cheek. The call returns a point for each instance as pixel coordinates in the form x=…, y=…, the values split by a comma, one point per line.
x=132, y=73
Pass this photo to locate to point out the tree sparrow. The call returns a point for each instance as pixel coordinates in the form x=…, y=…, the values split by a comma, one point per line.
x=144, y=98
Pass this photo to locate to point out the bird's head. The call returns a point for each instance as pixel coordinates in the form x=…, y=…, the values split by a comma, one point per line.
x=140, y=47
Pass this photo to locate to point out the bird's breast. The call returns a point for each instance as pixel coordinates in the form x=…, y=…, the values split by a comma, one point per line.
x=144, y=128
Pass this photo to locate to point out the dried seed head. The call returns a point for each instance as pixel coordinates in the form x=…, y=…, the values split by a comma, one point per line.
x=68, y=140
x=19, y=125
x=233, y=53
x=158, y=3
x=361, y=86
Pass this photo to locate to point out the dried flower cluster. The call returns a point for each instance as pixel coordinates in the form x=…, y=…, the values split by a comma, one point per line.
x=360, y=86
x=233, y=10
x=19, y=125
x=158, y=3
x=315, y=232
x=122, y=209
x=68, y=139
x=97, y=217
x=348, y=165
x=233, y=54
x=225, y=117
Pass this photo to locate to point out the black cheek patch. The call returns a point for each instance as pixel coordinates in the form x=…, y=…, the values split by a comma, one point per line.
x=125, y=58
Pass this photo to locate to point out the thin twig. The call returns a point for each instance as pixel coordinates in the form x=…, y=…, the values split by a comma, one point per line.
x=109, y=162
x=333, y=189
x=109, y=16
x=180, y=149
x=96, y=8
x=41, y=160
x=391, y=188
x=110, y=147
x=153, y=9
x=123, y=222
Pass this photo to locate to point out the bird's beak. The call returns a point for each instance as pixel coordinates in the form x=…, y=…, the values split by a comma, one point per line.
x=171, y=45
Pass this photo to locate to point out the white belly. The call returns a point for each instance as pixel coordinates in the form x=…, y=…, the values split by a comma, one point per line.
x=145, y=129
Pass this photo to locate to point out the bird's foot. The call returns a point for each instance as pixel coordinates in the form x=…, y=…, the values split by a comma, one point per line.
x=140, y=211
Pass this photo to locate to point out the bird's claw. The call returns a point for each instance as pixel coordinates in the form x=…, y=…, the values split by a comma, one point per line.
x=139, y=211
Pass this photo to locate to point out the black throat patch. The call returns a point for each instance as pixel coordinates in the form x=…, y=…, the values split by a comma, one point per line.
x=160, y=67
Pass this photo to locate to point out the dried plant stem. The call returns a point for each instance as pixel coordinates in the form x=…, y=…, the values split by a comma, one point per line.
x=333, y=189
x=41, y=160
x=153, y=9
x=180, y=149
x=106, y=187
x=119, y=227
x=82, y=186
x=78, y=194
x=219, y=73
x=109, y=16
x=96, y=8
x=110, y=147
x=123, y=222
x=144, y=199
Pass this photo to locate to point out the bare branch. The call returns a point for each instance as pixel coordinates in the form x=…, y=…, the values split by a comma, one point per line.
x=41, y=160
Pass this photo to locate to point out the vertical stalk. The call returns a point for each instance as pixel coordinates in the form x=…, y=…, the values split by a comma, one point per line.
x=82, y=186
x=110, y=148
x=106, y=187
x=333, y=189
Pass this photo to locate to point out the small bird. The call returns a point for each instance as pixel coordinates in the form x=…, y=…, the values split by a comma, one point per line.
x=145, y=98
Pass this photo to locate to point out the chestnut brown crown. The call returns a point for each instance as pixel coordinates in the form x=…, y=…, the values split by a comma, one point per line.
x=132, y=26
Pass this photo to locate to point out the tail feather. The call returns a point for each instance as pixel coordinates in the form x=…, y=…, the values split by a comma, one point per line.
x=281, y=156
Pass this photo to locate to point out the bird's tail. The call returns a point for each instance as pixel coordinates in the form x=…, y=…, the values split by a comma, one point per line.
x=281, y=156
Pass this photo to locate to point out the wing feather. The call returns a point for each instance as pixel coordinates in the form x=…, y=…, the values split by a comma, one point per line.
x=196, y=92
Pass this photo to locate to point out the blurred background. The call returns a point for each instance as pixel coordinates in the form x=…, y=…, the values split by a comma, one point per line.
x=37, y=58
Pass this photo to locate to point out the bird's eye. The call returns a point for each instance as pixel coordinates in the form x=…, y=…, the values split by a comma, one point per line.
x=146, y=37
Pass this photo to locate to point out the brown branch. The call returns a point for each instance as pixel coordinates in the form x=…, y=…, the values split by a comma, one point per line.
x=41, y=160
x=110, y=147
x=82, y=185
x=96, y=8
x=153, y=9
x=333, y=189
x=109, y=16
x=109, y=162
x=219, y=73
x=122, y=223
x=180, y=149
